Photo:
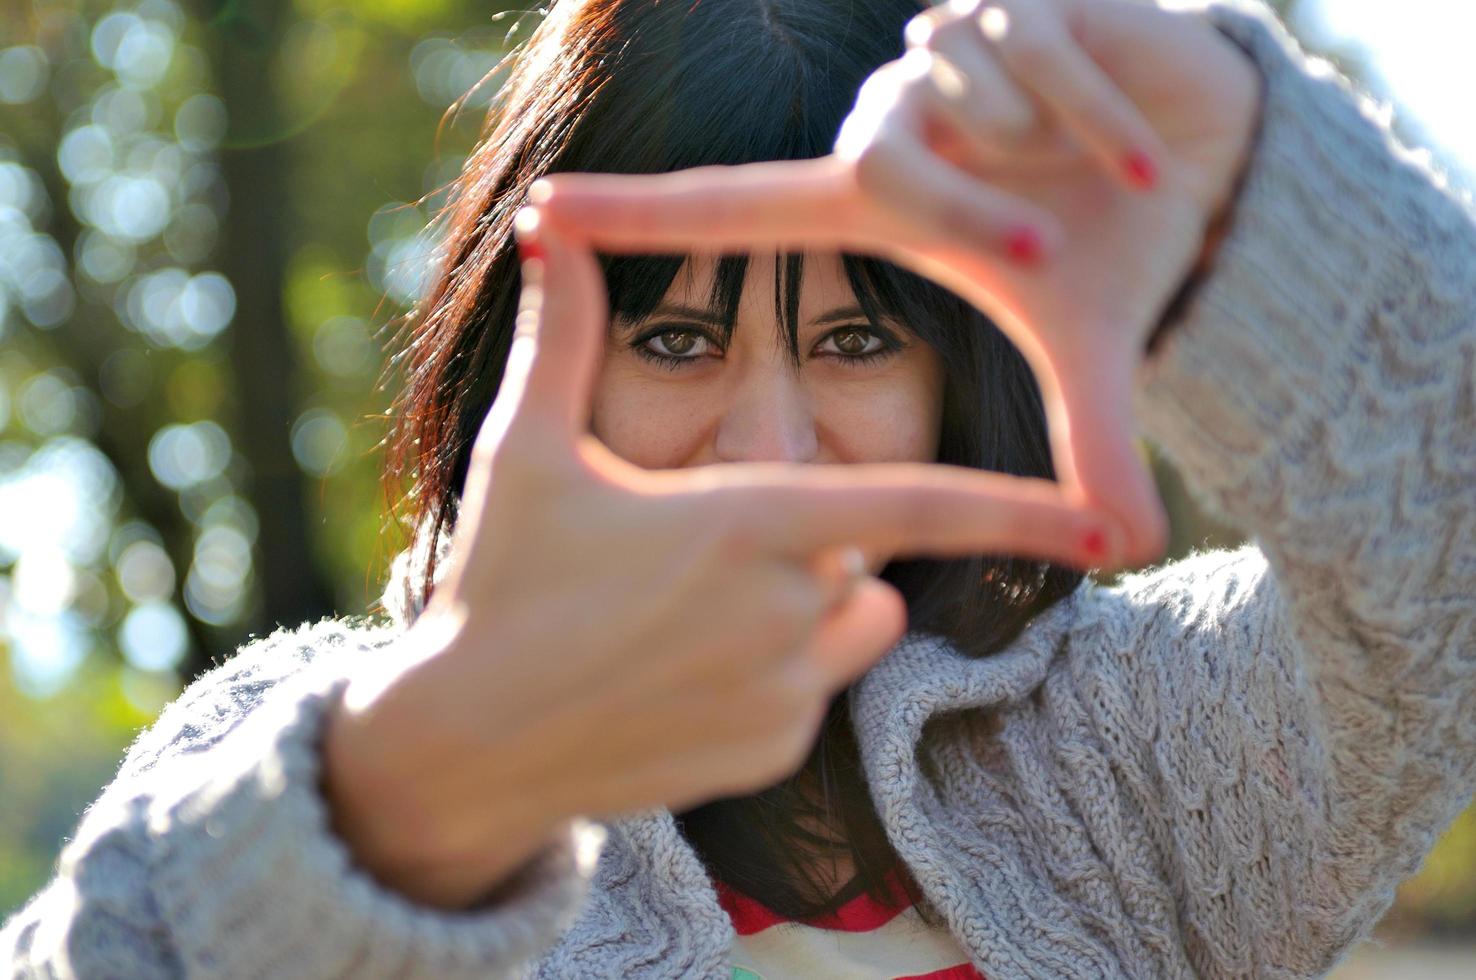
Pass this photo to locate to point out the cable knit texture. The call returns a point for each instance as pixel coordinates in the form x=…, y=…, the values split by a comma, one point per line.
x=1221, y=768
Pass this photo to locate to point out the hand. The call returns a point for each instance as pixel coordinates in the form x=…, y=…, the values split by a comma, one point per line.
x=609, y=639
x=1055, y=162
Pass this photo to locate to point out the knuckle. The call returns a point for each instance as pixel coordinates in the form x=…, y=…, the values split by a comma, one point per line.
x=919, y=30
x=948, y=83
x=949, y=32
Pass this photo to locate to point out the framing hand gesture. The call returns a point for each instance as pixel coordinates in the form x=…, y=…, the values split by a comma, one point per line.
x=1055, y=162
x=608, y=639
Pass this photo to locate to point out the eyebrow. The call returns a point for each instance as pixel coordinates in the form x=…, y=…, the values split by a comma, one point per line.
x=710, y=316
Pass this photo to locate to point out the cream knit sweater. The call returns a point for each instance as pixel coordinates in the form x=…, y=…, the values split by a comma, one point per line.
x=1220, y=768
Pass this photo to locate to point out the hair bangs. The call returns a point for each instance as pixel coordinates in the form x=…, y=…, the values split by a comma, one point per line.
x=687, y=86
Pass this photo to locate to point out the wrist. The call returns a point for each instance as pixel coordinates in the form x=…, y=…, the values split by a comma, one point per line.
x=421, y=806
x=1221, y=209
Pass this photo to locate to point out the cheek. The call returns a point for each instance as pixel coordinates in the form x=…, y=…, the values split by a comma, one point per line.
x=652, y=423
x=892, y=418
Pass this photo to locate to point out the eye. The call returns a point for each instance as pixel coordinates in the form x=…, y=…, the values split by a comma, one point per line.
x=856, y=344
x=854, y=341
x=674, y=346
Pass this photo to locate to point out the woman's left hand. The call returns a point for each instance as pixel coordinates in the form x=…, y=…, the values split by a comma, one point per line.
x=1055, y=162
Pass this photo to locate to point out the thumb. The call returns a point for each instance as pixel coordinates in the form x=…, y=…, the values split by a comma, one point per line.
x=560, y=332
x=855, y=634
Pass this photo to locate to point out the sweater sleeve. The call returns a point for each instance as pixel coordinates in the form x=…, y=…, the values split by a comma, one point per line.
x=211, y=853
x=1300, y=717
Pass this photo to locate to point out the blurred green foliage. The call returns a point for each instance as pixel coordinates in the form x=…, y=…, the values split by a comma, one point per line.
x=129, y=480
x=135, y=450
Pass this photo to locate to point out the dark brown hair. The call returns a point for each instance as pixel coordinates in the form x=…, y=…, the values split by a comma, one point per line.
x=645, y=86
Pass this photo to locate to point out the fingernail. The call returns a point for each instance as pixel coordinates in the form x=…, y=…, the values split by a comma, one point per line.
x=540, y=191
x=1024, y=245
x=1094, y=544
x=525, y=234
x=1140, y=169
x=530, y=250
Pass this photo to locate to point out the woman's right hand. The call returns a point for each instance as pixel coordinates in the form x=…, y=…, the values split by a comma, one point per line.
x=609, y=639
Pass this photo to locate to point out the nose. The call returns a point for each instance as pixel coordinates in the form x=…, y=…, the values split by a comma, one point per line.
x=769, y=419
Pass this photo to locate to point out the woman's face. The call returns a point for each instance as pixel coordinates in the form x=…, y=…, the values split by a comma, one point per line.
x=670, y=395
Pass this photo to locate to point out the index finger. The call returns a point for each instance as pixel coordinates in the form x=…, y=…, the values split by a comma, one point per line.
x=797, y=205
x=791, y=204
x=911, y=509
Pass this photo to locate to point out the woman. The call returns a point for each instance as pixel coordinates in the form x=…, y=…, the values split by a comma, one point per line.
x=1220, y=768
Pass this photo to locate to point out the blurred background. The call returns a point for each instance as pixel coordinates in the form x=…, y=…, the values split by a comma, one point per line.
x=210, y=211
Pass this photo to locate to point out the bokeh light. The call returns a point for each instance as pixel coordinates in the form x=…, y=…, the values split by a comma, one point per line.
x=175, y=309
x=45, y=651
x=63, y=496
x=43, y=582
x=48, y=404
x=200, y=123
x=85, y=155
x=23, y=74
x=153, y=636
x=343, y=347
x=318, y=441
x=218, y=576
x=104, y=259
x=145, y=573
x=447, y=69
x=183, y=455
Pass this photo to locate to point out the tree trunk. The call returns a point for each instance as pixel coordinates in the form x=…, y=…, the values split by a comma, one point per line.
x=244, y=36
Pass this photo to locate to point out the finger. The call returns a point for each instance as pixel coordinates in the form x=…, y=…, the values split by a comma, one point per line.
x=950, y=116
x=791, y=204
x=897, y=188
x=973, y=90
x=1041, y=55
x=857, y=633
x=560, y=331
x=1096, y=455
x=903, y=509
x=935, y=205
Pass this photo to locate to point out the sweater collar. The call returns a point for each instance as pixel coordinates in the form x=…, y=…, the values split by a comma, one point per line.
x=653, y=899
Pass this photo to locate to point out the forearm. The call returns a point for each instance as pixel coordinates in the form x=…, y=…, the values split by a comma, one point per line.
x=397, y=795
x=213, y=853
x=1317, y=391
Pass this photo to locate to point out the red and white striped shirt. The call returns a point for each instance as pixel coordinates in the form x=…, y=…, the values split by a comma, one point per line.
x=862, y=940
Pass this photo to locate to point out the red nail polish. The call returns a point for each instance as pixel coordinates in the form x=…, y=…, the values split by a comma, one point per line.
x=1094, y=543
x=1024, y=246
x=530, y=250
x=1140, y=169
